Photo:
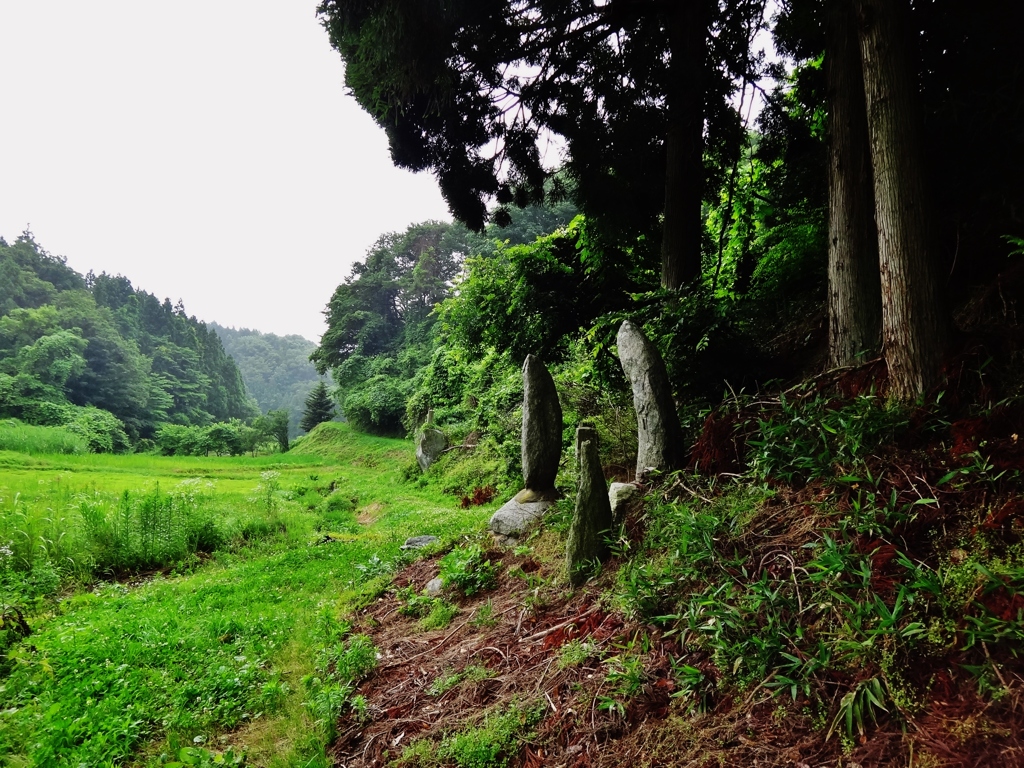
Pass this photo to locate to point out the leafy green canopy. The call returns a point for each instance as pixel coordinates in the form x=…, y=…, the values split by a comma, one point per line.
x=73, y=346
x=379, y=321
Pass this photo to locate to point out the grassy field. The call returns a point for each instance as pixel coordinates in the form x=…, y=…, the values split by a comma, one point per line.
x=185, y=602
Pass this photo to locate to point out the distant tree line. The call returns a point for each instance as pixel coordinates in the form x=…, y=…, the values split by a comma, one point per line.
x=381, y=333
x=99, y=356
x=276, y=370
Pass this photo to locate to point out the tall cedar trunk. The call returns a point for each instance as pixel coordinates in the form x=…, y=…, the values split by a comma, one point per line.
x=854, y=290
x=913, y=333
x=684, y=145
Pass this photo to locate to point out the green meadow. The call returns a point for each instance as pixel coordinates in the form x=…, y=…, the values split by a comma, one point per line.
x=183, y=603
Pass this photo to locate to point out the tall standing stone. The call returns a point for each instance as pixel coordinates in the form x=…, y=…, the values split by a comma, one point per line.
x=592, y=518
x=659, y=433
x=542, y=451
x=542, y=427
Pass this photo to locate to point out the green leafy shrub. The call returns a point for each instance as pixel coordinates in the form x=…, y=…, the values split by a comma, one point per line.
x=472, y=673
x=492, y=744
x=460, y=471
x=182, y=440
x=230, y=438
x=204, y=758
x=467, y=570
x=343, y=663
x=440, y=615
x=102, y=429
x=413, y=603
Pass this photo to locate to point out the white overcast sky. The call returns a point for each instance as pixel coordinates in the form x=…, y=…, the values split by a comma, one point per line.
x=205, y=149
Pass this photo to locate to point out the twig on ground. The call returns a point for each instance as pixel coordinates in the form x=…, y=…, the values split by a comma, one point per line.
x=431, y=649
x=549, y=630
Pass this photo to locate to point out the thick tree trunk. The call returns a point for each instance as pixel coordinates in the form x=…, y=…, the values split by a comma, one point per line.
x=854, y=289
x=913, y=330
x=683, y=226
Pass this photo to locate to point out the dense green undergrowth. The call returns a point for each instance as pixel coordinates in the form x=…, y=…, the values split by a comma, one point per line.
x=865, y=556
x=858, y=558
x=245, y=566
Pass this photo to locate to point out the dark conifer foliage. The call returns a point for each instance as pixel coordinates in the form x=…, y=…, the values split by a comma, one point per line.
x=319, y=408
x=639, y=91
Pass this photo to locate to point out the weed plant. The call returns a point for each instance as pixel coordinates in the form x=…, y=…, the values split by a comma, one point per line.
x=19, y=437
x=345, y=660
x=574, y=653
x=214, y=645
x=471, y=674
x=492, y=744
x=807, y=437
x=440, y=616
x=466, y=569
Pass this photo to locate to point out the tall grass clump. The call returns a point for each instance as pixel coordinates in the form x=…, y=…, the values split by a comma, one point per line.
x=92, y=534
x=149, y=529
x=26, y=438
x=803, y=438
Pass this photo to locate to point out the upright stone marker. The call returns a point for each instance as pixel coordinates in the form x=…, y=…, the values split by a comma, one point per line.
x=592, y=518
x=542, y=451
x=430, y=443
x=584, y=432
x=542, y=428
x=660, y=436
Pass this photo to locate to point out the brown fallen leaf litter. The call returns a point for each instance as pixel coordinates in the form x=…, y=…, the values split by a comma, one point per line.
x=533, y=617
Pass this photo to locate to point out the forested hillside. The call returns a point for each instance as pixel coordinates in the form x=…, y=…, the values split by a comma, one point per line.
x=276, y=369
x=827, y=565
x=752, y=246
x=102, y=357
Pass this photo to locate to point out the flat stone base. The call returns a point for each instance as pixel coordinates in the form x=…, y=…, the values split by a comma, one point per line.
x=514, y=518
x=528, y=496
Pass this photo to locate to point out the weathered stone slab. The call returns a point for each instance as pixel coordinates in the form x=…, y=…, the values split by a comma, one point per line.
x=659, y=433
x=418, y=542
x=542, y=427
x=516, y=516
x=584, y=432
x=619, y=495
x=592, y=518
x=430, y=444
